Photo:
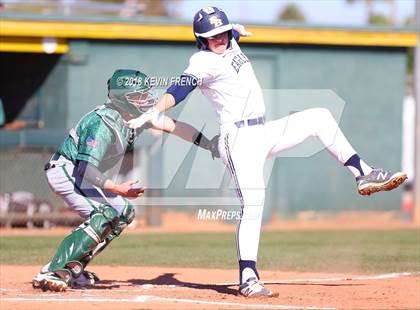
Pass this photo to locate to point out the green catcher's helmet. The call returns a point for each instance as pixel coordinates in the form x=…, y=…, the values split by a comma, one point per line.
x=130, y=91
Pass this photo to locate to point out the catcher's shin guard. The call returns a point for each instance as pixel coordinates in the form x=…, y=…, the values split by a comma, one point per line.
x=83, y=241
x=126, y=217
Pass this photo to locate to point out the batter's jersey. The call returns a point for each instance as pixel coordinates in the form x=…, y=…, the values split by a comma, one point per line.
x=100, y=138
x=229, y=83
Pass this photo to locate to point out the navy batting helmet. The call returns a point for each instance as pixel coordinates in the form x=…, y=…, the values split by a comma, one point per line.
x=208, y=22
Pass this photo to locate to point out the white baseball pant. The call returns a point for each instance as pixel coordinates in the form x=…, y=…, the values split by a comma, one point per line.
x=244, y=151
x=80, y=196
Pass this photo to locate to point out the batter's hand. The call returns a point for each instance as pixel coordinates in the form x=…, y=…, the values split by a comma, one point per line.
x=149, y=116
x=241, y=30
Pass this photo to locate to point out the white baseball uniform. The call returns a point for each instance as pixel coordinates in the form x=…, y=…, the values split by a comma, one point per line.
x=229, y=83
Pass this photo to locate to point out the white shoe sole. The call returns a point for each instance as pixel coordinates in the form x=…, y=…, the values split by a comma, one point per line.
x=396, y=180
x=260, y=296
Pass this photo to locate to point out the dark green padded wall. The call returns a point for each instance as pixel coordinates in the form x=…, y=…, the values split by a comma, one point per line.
x=370, y=81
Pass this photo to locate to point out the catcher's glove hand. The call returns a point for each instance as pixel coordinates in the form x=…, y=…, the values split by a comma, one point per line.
x=214, y=147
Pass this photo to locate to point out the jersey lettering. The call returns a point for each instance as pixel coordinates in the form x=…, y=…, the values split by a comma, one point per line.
x=238, y=78
x=238, y=60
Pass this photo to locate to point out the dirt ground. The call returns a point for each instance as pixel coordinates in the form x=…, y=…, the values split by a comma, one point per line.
x=182, y=288
x=192, y=288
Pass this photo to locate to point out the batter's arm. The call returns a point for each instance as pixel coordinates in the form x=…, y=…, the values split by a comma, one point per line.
x=165, y=103
x=187, y=132
x=174, y=95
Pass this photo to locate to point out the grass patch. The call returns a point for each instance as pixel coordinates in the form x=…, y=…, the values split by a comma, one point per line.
x=315, y=251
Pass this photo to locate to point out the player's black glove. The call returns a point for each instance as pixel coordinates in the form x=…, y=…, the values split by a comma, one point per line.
x=210, y=145
x=214, y=147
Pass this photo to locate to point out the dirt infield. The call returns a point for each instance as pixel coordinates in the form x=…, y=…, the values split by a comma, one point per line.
x=193, y=288
x=181, y=288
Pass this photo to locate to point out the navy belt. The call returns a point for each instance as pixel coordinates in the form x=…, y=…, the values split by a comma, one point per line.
x=250, y=122
x=48, y=166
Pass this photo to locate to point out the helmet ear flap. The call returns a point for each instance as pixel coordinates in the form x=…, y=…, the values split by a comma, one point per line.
x=201, y=42
x=230, y=35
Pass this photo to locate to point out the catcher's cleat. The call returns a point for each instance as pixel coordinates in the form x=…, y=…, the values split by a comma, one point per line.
x=253, y=288
x=379, y=180
x=51, y=282
x=40, y=276
x=86, y=279
x=36, y=281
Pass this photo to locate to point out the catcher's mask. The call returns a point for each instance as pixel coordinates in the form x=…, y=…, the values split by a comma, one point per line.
x=130, y=91
x=208, y=22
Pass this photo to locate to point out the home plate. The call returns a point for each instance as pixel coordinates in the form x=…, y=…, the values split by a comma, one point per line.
x=147, y=286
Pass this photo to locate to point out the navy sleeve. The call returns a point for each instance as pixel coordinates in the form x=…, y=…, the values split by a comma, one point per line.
x=91, y=173
x=182, y=87
x=236, y=35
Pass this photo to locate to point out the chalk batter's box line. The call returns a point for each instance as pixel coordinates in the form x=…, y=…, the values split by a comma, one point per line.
x=373, y=277
x=149, y=298
x=149, y=286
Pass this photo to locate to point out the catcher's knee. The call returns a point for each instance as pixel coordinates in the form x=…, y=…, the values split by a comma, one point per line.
x=101, y=223
x=127, y=216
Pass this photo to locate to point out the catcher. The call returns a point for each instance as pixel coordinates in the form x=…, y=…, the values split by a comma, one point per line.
x=80, y=172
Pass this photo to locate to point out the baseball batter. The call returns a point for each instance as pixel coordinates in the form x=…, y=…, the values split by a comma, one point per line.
x=82, y=170
x=226, y=78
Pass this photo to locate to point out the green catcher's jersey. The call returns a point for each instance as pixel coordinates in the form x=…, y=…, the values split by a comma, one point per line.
x=100, y=138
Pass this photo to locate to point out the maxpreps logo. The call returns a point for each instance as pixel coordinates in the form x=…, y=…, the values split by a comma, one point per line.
x=219, y=214
x=225, y=215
